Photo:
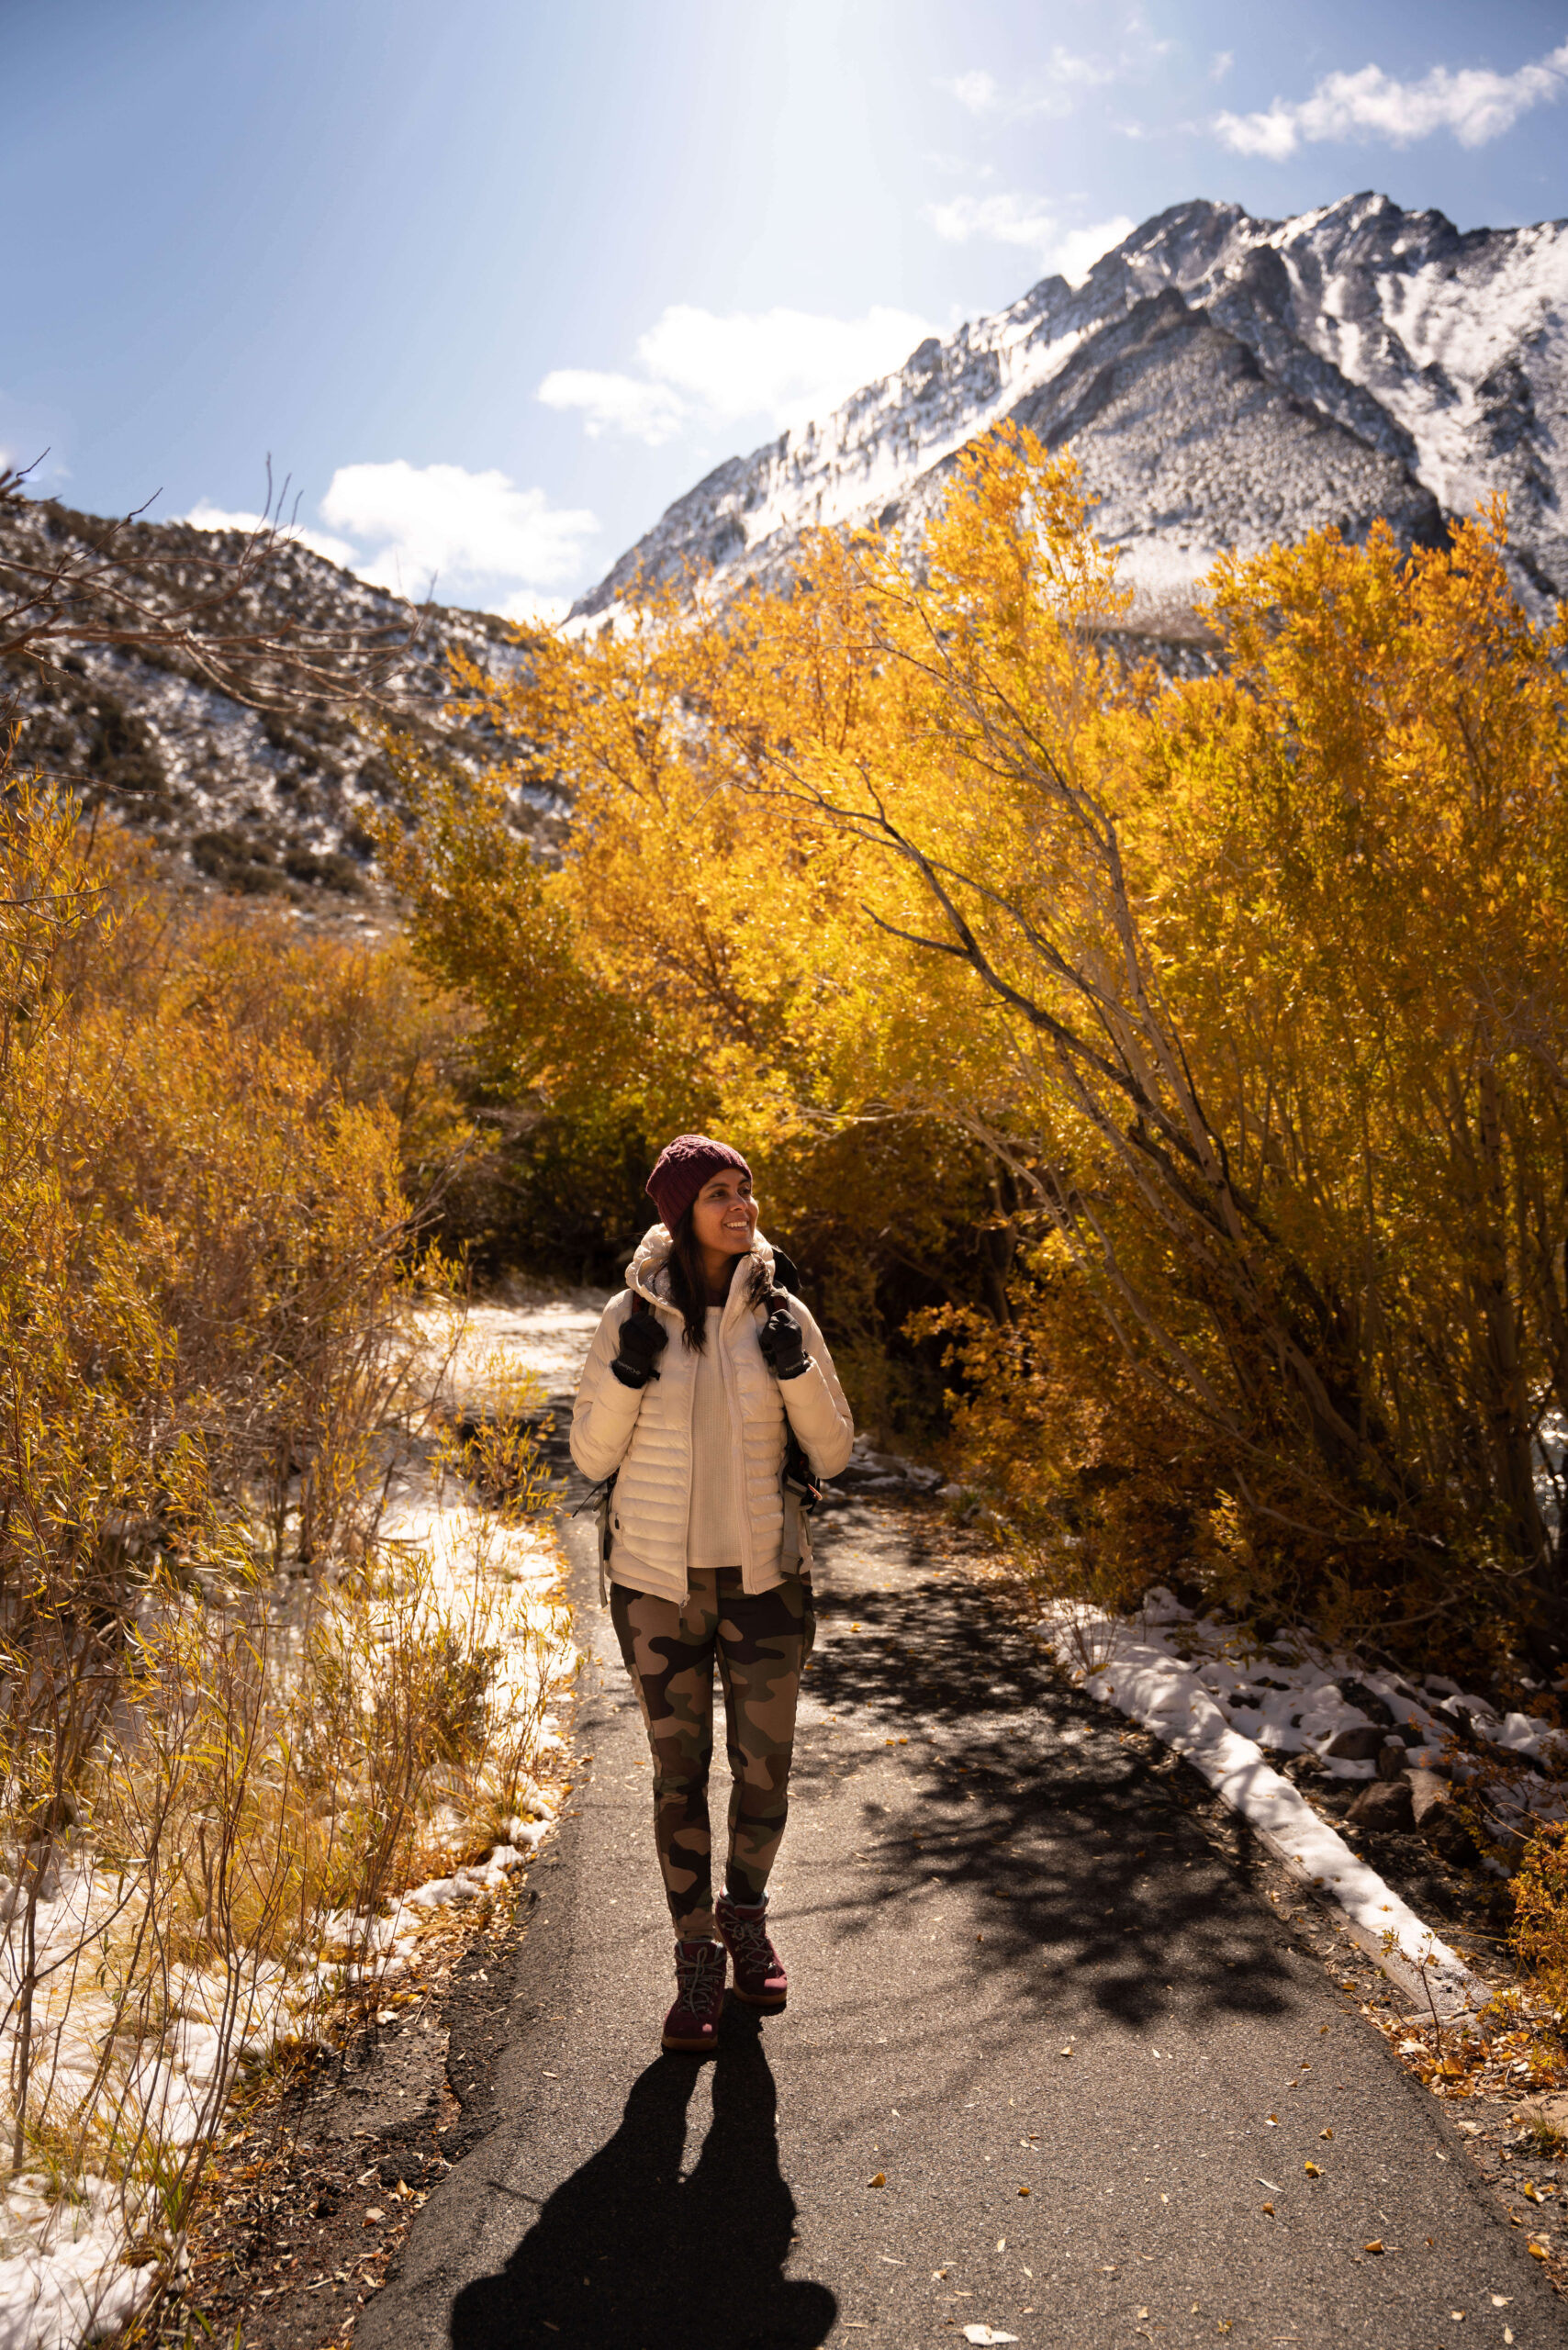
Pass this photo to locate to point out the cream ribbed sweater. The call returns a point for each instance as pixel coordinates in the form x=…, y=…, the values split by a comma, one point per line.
x=714, y=1525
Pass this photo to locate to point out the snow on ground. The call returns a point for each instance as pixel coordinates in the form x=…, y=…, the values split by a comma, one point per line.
x=549, y=1336
x=67, y=2279
x=64, y=2268
x=1227, y=1703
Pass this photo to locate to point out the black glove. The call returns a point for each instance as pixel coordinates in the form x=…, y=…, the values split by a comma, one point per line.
x=781, y=1339
x=643, y=1339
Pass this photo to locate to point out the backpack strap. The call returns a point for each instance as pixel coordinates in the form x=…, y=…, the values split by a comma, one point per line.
x=786, y=1273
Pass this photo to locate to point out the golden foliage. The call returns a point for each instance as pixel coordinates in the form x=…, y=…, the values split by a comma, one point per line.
x=227, y=1706
x=1249, y=991
x=1539, y=1934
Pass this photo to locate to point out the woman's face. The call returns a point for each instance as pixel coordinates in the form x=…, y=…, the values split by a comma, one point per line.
x=724, y=1216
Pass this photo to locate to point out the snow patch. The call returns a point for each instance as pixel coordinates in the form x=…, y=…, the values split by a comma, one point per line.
x=1187, y=1701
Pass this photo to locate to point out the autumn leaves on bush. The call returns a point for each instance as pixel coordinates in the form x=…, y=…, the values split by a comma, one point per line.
x=1190, y=1061
x=228, y=1706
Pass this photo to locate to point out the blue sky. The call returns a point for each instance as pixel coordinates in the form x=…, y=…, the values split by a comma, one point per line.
x=492, y=281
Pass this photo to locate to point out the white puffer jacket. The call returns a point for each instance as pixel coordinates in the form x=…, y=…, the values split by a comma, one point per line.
x=643, y=1436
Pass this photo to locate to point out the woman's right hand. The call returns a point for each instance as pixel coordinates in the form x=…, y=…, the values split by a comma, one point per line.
x=643, y=1339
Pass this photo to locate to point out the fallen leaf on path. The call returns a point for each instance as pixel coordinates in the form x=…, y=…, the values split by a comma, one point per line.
x=1268, y=2183
x=1023, y=2191
x=376, y=2212
x=1268, y=2210
x=1375, y=2245
x=1532, y=2192
x=1501, y=2300
x=984, y=2333
x=1326, y=2134
x=1537, y=2251
x=1312, y=2170
x=881, y=2179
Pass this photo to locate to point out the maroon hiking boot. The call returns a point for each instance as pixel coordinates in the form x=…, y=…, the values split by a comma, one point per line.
x=692, y=2024
x=760, y=1979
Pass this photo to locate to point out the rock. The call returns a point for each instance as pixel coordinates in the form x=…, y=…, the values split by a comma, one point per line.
x=1390, y=1758
x=1544, y=2114
x=1449, y=1837
x=1436, y=1820
x=1427, y=1790
x=1366, y=1701
x=1385, y=1806
x=1361, y=1744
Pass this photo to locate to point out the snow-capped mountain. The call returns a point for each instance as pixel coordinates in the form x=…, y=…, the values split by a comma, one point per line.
x=1226, y=383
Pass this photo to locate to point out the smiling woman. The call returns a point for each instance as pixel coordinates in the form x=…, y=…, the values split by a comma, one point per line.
x=706, y=1450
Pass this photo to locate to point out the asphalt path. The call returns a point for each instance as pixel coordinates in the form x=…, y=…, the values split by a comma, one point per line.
x=1080, y=2055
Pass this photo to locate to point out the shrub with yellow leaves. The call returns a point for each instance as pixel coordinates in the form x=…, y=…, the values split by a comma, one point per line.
x=226, y=1703
x=1248, y=994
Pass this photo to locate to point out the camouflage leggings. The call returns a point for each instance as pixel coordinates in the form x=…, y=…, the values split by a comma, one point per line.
x=760, y=1643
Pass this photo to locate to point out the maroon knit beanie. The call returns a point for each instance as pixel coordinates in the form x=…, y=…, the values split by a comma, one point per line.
x=684, y=1165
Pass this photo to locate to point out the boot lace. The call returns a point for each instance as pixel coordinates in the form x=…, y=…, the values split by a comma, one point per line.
x=692, y=1969
x=748, y=1937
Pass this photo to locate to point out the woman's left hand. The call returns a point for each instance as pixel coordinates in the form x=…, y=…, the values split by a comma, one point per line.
x=781, y=1339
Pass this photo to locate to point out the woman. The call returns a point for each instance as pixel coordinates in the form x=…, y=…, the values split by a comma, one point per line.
x=695, y=1381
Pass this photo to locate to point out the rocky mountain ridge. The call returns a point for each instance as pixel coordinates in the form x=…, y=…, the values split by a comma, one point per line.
x=1225, y=382
x=272, y=802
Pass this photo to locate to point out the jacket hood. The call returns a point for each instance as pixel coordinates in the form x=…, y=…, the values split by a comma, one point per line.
x=645, y=1274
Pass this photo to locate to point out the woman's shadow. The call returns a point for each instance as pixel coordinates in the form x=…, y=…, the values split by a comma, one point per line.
x=629, y=2256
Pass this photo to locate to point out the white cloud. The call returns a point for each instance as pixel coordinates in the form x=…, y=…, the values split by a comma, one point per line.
x=784, y=365
x=1059, y=79
x=649, y=412
x=1221, y=64
x=976, y=92
x=1024, y=220
x=1065, y=67
x=481, y=539
x=467, y=531
x=529, y=609
x=1476, y=104
x=205, y=516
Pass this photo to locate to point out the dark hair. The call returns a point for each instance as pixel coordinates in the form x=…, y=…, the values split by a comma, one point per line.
x=689, y=1283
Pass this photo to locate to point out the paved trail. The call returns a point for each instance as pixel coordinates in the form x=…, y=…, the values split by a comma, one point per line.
x=957, y=1910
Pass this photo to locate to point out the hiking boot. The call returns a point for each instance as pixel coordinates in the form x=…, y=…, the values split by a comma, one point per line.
x=692, y=2024
x=760, y=1979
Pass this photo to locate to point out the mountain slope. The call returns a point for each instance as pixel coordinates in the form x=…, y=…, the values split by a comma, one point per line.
x=1225, y=382
x=273, y=801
